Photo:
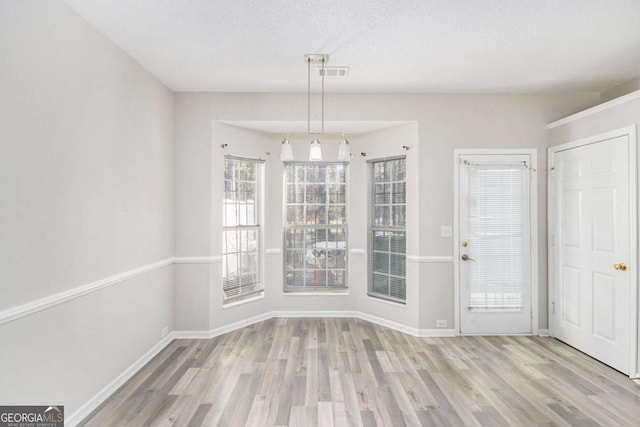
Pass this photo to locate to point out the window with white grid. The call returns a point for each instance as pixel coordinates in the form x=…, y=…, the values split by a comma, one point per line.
x=241, y=254
x=387, y=229
x=315, y=232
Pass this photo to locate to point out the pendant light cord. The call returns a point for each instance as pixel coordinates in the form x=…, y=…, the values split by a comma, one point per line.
x=309, y=95
x=323, y=95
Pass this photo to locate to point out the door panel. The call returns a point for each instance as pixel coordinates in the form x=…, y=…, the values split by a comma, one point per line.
x=592, y=202
x=495, y=244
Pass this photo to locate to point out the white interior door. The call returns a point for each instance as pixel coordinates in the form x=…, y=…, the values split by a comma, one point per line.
x=591, y=249
x=494, y=266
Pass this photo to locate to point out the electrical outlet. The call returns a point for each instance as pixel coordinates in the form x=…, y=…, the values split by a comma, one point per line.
x=164, y=332
x=441, y=323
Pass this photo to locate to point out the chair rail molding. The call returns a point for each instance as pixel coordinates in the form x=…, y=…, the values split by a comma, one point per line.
x=430, y=258
x=14, y=313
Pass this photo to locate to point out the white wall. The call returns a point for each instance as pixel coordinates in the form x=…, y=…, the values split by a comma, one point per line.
x=86, y=192
x=442, y=123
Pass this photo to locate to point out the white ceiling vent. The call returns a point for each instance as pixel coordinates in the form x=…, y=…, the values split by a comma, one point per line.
x=337, y=71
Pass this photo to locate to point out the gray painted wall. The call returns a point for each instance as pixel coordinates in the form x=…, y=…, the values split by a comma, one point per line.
x=621, y=90
x=442, y=123
x=86, y=192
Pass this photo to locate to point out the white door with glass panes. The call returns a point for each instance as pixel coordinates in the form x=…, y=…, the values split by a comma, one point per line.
x=494, y=229
x=591, y=249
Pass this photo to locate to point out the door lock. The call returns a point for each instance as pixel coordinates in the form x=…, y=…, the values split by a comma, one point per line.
x=466, y=257
x=620, y=267
x=464, y=244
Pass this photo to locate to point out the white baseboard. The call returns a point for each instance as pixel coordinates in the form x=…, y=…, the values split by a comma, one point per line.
x=543, y=333
x=347, y=314
x=103, y=394
x=314, y=314
x=223, y=329
x=388, y=323
x=435, y=333
x=192, y=335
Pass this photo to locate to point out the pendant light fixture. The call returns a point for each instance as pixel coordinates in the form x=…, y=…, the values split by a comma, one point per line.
x=315, y=151
x=286, y=151
x=344, y=151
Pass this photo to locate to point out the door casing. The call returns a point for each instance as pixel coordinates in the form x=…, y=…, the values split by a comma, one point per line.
x=457, y=153
x=631, y=133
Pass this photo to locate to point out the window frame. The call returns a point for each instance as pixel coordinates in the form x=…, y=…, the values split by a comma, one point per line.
x=259, y=216
x=372, y=228
x=345, y=227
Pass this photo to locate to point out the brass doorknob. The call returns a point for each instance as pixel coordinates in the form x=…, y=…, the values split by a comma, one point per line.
x=620, y=267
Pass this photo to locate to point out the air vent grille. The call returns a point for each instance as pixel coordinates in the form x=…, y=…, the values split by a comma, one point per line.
x=336, y=71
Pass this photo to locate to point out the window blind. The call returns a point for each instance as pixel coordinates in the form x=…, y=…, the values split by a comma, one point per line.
x=496, y=236
x=387, y=233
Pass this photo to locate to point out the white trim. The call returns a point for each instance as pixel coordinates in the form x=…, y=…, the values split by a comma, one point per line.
x=456, y=245
x=316, y=313
x=286, y=314
x=543, y=333
x=222, y=329
x=197, y=259
x=192, y=335
x=437, y=333
x=634, y=161
x=389, y=324
x=616, y=133
x=356, y=251
x=273, y=251
x=533, y=195
x=328, y=293
x=114, y=385
x=593, y=110
x=239, y=324
x=14, y=313
x=19, y=311
x=535, y=303
x=430, y=258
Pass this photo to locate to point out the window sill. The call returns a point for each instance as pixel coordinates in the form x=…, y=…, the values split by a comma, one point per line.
x=242, y=301
x=316, y=293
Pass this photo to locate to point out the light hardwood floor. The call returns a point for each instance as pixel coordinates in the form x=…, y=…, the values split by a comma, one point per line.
x=342, y=372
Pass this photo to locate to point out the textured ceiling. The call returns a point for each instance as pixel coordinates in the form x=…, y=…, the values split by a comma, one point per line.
x=390, y=45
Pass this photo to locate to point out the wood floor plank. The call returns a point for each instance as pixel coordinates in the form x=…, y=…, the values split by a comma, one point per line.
x=349, y=372
x=198, y=417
